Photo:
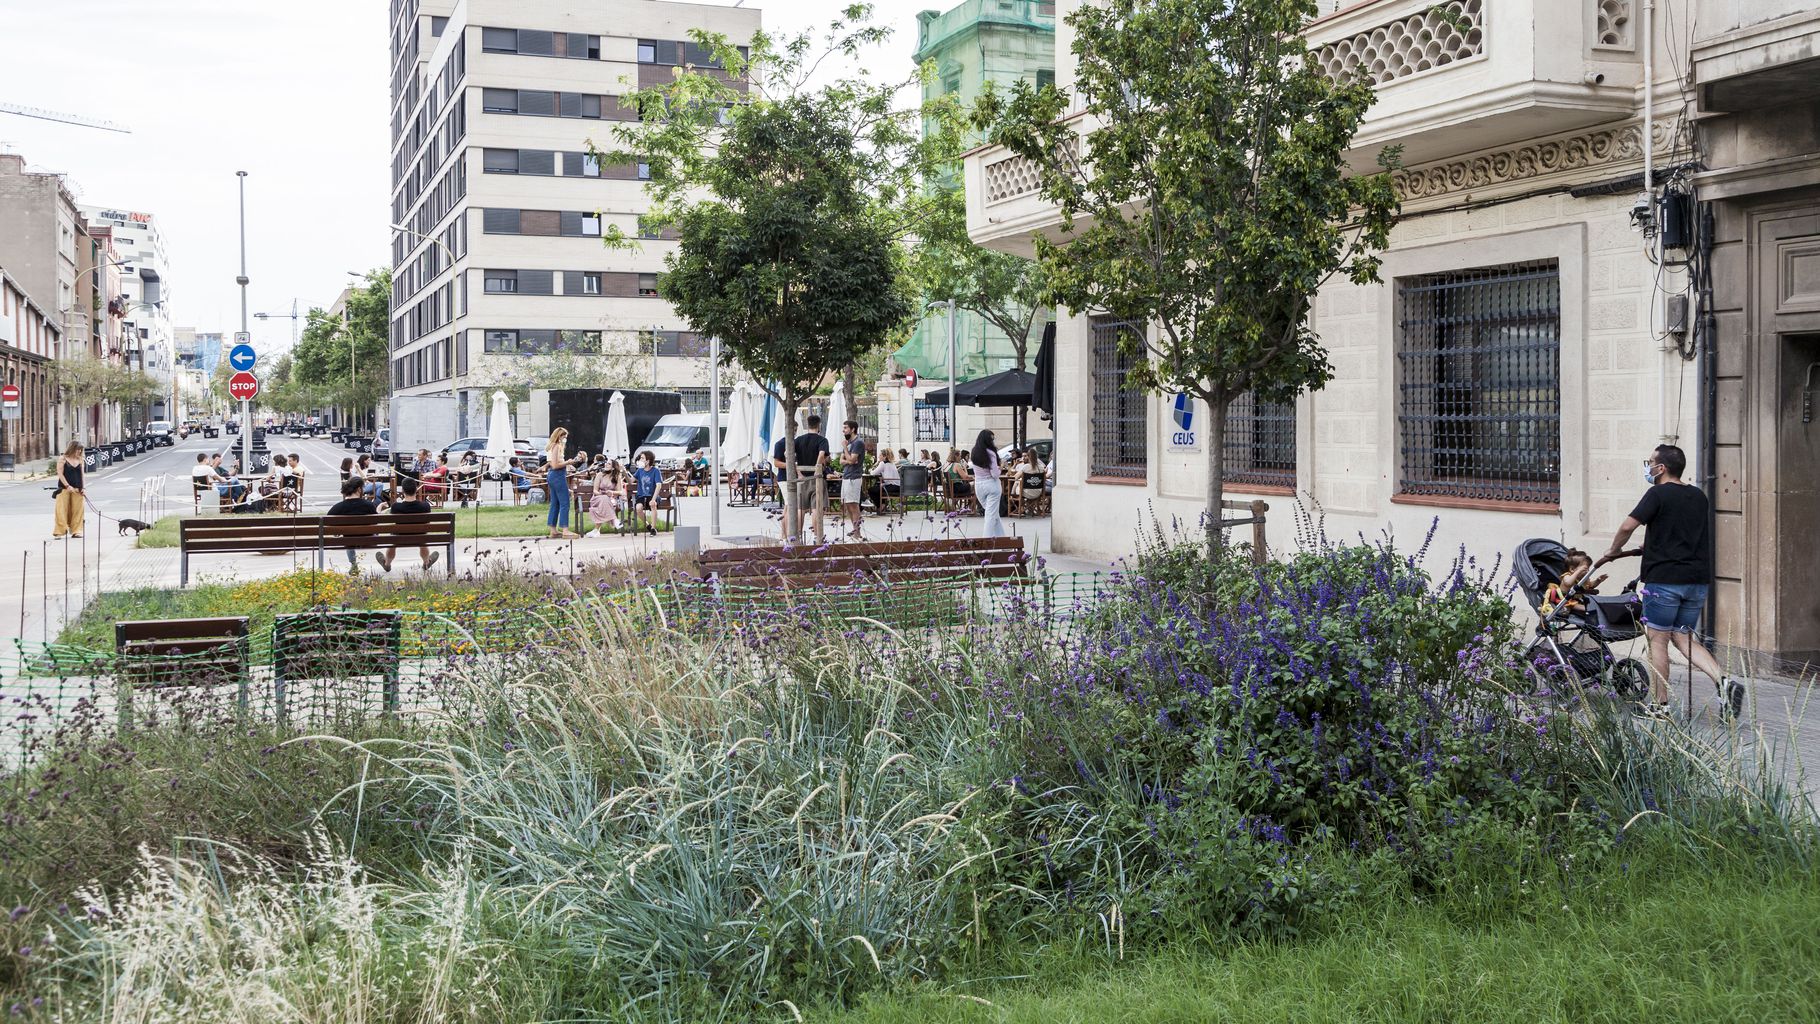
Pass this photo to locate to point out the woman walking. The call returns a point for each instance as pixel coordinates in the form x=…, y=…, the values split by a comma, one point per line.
x=70, y=513
x=986, y=485
x=557, y=481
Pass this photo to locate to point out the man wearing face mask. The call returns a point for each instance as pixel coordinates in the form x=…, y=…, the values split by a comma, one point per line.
x=1677, y=569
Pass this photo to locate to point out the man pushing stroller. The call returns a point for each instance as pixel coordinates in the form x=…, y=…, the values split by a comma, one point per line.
x=1677, y=569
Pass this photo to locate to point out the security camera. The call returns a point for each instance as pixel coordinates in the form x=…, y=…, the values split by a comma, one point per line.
x=1643, y=215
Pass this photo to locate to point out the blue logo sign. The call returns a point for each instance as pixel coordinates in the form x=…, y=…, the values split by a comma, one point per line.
x=1182, y=412
x=242, y=357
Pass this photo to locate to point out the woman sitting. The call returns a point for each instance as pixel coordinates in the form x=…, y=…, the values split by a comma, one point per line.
x=609, y=495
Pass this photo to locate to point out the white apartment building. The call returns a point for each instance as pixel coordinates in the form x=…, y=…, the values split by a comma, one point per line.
x=144, y=294
x=499, y=258
x=1525, y=350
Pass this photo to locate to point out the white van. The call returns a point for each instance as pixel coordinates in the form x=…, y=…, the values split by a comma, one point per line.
x=678, y=436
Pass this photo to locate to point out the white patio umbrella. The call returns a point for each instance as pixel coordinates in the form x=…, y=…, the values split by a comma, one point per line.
x=499, y=435
x=736, y=442
x=838, y=413
x=618, y=445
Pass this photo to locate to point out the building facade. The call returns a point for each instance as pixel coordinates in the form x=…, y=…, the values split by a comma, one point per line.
x=30, y=338
x=499, y=260
x=977, y=42
x=145, y=302
x=1540, y=325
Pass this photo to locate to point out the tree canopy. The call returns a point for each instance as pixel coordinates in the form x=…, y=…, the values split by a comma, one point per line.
x=1211, y=197
x=337, y=361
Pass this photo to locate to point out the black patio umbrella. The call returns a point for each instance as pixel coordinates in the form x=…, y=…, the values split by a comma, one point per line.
x=1006, y=390
x=1042, y=392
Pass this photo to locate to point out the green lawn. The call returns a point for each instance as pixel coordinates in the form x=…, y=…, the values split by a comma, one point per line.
x=1683, y=949
x=486, y=521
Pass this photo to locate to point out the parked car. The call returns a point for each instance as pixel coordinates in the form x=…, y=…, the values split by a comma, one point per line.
x=382, y=445
x=1044, y=446
x=161, y=432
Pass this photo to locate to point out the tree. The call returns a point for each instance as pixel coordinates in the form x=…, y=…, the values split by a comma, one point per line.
x=347, y=361
x=1213, y=198
x=791, y=203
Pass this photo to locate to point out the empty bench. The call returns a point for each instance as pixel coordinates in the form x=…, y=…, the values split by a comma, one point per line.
x=954, y=560
x=289, y=534
x=164, y=653
x=336, y=646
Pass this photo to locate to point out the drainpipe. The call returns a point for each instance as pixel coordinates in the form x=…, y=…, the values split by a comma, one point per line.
x=1667, y=431
x=1706, y=334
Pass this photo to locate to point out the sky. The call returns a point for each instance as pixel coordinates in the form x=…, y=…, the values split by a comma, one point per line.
x=296, y=94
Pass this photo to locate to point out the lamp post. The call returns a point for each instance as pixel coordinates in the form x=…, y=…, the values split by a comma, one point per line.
x=246, y=407
x=953, y=363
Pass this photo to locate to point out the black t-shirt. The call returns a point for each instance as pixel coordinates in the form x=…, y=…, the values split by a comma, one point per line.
x=808, y=447
x=406, y=507
x=1677, y=548
x=353, y=507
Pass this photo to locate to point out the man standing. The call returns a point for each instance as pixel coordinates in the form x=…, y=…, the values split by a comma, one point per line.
x=811, y=469
x=852, y=474
x=1677, y=569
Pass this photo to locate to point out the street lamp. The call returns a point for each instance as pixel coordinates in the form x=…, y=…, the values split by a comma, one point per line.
x=953, y=365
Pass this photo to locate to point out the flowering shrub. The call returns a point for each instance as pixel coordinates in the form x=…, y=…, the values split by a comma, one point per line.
x=1230, y=718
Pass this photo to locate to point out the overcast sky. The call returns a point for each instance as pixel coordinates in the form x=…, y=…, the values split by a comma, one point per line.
x=296, y=94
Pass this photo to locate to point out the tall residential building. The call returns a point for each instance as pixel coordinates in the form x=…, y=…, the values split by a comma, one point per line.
x=145, y=295
x=1541, y=324
x=976, y=42
x=499, y=259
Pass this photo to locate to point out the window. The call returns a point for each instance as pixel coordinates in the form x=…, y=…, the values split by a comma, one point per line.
x=500, y=161
x=1118, y=409
x=932, y=422
x=500, y=222
x=1260, y=442
x=437, y=25
x=644, y=171
x=647, y=284
x=499, y=40
x=1479, y=384
x=537, y=161
x=501, y=282
x=590, y=284
x=501, y=341
x=537, y=102
x=1045, y=78
x=647, y=52
x=590, y=166
x=499, y=101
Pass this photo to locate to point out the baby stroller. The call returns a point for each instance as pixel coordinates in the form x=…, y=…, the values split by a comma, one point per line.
x=1572, y=647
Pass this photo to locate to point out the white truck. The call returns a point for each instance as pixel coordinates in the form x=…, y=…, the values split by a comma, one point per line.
x=422, y=421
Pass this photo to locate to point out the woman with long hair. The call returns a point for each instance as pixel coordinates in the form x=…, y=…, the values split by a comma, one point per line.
x=986, y=486
x=69, y=513
x=557, y=482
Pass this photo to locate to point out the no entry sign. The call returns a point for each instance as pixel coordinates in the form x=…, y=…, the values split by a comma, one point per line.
x=243, y=386
x=9, y=402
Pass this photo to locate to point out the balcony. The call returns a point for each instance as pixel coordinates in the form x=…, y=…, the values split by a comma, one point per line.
x=1470, y=75
x=1758, y=54
x=1452, y=78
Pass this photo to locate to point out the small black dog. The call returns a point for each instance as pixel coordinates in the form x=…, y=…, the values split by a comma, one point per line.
x=133, y=525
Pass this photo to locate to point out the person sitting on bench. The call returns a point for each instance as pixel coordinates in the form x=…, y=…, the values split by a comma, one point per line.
x=408, y=501
x=352, y=504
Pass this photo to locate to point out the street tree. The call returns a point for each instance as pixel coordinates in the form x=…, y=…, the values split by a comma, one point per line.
x=1210, y=198
x=346, y=361
x=791, y=202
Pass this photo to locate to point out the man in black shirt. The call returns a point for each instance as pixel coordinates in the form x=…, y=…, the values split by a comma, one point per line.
x=811, y=469
x=408, y=502
x=352, y=504
x=1677, y=570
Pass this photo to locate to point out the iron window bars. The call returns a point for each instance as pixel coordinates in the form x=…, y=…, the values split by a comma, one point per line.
x=1260, y=442
x=1118, y=409
x=1479, y=383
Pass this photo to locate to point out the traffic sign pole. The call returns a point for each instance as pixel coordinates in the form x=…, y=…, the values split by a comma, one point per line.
x=242, y=358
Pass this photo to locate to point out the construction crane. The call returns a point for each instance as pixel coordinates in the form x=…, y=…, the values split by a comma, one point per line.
x=294, y=316
x=51, y=115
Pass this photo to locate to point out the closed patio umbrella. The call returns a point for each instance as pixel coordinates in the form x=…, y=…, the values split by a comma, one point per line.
x=618, y=445
x=736, y=443
x=499, y=435
x=838, y=413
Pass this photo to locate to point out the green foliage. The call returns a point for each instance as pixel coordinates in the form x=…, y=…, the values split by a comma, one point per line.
x=1212, y=198
x=337, y=361
x=792, y=199
x=1004, y=290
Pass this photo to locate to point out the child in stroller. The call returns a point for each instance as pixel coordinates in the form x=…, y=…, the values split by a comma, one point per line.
x=1577, y=626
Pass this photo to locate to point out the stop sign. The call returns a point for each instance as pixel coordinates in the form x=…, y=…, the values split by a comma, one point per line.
x=243, y=386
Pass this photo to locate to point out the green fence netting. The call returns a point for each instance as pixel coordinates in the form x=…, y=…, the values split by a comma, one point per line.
x=326, y=668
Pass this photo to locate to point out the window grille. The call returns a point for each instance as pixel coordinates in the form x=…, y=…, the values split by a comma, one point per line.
x=1260, y=442
x=932, y=422
x=1118, y=409
x=1479, y=383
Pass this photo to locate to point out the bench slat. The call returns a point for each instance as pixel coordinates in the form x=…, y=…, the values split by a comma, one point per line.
x=907, y=562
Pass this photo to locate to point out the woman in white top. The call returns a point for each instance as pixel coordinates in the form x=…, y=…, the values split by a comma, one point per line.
x=986, y=486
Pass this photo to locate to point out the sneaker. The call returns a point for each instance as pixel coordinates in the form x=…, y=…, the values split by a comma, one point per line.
x=1732, y=696
x=430, y=561
x=1661, y=711
x=384, y=562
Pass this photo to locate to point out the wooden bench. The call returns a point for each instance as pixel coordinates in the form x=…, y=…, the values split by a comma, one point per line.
x=336, y=645
x=163, y=653
x=960, y=559
x=286, y=534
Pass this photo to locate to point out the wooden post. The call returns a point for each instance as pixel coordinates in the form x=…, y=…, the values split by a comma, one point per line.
x=1258, y=553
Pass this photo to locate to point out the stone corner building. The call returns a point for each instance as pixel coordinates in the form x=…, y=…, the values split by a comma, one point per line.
x=1529, y=344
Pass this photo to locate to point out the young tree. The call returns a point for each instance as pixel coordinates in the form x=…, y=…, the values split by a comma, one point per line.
x=347, y=362
x=1211, y=199
x=791, y=203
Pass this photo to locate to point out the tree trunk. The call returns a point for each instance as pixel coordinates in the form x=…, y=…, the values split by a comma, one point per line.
x=847, y=378
x=786, y=488
x=1217, y=402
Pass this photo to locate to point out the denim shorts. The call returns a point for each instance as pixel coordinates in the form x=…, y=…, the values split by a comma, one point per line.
x=1673, y=607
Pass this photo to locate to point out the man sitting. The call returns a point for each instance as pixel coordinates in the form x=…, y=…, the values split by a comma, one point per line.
x=352, y=504
x=408, y=501
x=226, y=483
